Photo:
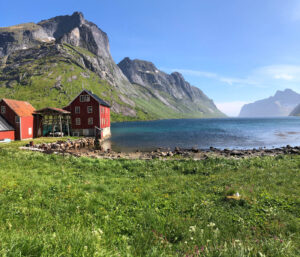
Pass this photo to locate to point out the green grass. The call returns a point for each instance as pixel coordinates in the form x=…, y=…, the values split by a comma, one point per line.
x=63, y=206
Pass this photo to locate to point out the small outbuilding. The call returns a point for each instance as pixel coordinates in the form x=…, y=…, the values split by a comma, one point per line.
x=51, y=121
x=6, y=130
x=19, y=115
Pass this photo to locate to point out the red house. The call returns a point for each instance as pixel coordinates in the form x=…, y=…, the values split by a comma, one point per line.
x=19, y=115
x=6, y=131
x=89, y=113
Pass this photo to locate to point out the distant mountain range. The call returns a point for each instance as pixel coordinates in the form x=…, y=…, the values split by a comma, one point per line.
x=279, y=105
x=296, y=111
x=49, y=63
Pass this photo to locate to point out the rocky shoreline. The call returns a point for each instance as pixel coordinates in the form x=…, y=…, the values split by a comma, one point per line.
x=86, y=147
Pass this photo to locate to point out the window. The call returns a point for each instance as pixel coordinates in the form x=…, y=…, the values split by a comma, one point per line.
x=3, y=109
x=90, y=121
x=78, y=121
x=77, y=109
x=29, y=131
x=90, y=109
x=84, y=98
x=17, y=119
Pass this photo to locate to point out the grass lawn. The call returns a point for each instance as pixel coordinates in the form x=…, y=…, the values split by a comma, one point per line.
x=64, y=206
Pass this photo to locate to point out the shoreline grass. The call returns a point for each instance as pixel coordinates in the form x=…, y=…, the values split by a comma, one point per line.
x=51, y=205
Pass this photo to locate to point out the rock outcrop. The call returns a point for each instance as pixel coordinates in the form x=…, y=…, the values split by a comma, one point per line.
x=173, y=85
x=279, y=105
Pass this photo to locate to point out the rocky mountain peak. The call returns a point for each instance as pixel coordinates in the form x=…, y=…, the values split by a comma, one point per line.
x=146, y=74
x=72, y=29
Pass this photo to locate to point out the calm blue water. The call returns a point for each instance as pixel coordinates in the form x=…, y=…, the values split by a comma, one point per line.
x=239, y=133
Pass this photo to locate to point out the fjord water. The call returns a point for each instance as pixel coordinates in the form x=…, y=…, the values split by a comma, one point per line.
x=232, y=133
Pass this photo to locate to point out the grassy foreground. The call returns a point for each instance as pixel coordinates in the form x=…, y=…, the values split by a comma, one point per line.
x=63, y=206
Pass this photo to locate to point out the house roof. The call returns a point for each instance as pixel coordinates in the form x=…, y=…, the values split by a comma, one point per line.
x=4, y=126
x=51, y=109
x=21, y=108
x=98, y=99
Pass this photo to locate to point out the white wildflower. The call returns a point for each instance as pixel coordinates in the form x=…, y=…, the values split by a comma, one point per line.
x=192, y=228
x=211, y=224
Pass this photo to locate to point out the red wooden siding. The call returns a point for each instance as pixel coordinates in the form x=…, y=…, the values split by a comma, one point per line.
x=104, y=116
x=84, y=115
x=26, y=122
x=7, y=135
x=10, y=117
x=27, y=126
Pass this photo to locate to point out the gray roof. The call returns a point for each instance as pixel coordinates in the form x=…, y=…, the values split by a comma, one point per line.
x=4, y=126
x=99, y=100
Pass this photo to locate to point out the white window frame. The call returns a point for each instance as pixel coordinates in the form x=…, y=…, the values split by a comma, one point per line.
x=90, y=109
x=90, y=121
x=17, y=119
x=29, y=131
x=77, y=109
x=85, y=98
x=78, y=121
x=3, y=109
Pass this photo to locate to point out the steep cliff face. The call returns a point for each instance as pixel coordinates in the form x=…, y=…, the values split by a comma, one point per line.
x=145, y=74
x=73, y=30
x=48, y=63
x=279, y=105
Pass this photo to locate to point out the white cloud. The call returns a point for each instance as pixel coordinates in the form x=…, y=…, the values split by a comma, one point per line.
x=283, y=76
x=228, y=80
x=275, y=76
x=279, y=72
x=231, y=109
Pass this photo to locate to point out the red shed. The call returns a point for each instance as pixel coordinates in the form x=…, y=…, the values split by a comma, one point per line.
x=6, y=130
x=88, y=112
x=19, y=115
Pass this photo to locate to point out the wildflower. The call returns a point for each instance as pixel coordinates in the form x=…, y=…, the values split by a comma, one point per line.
x=192, y=238
x=211, y=224
x=98, y=233
x=192, y=228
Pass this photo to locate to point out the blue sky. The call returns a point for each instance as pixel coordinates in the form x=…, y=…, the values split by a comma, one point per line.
x=236, y=51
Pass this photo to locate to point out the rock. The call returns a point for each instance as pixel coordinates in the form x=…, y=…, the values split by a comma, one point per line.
x=294, y=151
x=236, y=153
x=194, y=150
x=170, y=154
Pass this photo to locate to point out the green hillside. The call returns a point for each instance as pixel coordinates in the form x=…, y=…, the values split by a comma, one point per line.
x=47, y=77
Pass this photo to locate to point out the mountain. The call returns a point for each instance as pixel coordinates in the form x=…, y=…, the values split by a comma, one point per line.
x=171, y=89
x=48, y=64
x=295, y=111
x=281, y=104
